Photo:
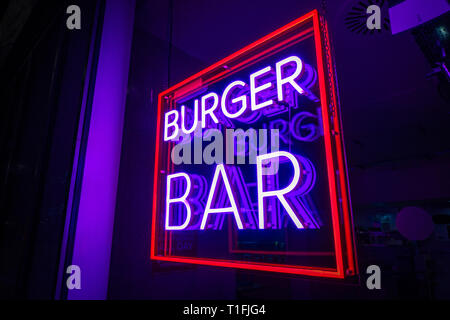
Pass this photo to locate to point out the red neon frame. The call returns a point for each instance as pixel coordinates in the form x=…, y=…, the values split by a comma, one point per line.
x=338, y=187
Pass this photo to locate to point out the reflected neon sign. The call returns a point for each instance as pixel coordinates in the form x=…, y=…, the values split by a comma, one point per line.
x=268, y=191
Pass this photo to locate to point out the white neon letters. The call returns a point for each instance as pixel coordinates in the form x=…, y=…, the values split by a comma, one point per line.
x=237, y=98
x=209, y=111
x=255, y=89
x=259, y=85
x=183, y=116
x=290, y=79
x=261, y=171
x=242, y=99
x=182, y=199
x=220, y=169
x=276, y=193
x=170, y=124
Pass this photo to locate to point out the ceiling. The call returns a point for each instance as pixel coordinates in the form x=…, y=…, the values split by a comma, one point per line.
x=390, y=110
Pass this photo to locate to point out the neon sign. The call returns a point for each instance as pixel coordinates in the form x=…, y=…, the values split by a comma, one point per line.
x=249, y=164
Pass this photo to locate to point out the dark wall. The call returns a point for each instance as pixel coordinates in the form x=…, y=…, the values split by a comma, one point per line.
x=43, y=65
x=396, y=136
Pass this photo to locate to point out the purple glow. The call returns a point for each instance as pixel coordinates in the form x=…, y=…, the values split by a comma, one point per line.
x=92, y=247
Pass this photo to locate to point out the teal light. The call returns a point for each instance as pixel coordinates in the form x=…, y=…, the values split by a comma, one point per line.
x=442, y=32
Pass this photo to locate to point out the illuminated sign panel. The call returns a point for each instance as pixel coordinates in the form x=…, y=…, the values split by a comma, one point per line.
x=249, y=166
